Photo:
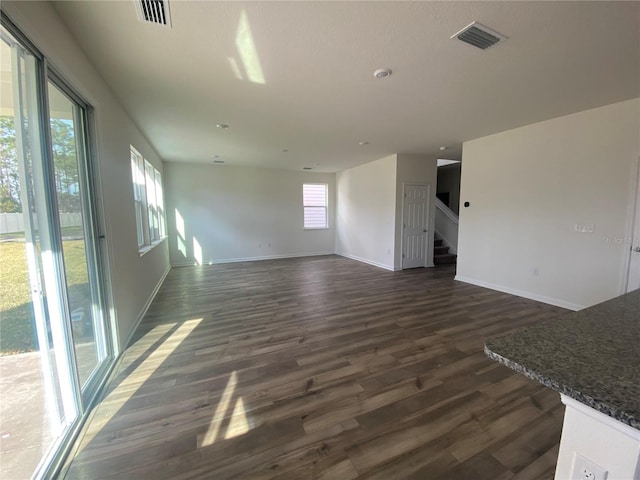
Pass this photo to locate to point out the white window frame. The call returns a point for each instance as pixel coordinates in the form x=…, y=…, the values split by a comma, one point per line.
x=306, y=204
x=148, y=199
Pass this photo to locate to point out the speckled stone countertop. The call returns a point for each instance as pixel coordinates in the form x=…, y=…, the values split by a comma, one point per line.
x=592, y=356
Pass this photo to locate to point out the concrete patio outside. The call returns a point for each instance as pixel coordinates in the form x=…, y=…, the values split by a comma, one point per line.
x=25, y=433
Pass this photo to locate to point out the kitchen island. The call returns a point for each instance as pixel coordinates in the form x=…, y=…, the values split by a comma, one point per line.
x=592, y=358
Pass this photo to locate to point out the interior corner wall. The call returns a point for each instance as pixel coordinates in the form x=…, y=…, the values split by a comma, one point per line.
x=416, y=170
x=133, y=279
x=528, y=189
x=219, y=214
x=366, y=209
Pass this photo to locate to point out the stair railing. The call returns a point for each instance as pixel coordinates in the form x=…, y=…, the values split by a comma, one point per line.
x=447, y=226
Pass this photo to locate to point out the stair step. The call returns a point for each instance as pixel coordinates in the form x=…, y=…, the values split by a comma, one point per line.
x=437, y=242
x=446, y=259
x=440, y=250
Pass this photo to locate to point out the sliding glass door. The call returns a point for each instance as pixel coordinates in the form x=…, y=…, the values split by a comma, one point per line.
x=78, y=241
x=54, y=348
x=31, y=404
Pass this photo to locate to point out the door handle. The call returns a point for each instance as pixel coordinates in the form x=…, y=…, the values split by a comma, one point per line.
x=637, y=249
x=424, y=231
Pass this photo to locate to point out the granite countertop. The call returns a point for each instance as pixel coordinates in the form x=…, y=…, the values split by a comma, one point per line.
x=592, y=356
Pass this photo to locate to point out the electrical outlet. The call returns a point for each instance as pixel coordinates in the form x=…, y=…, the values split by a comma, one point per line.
x=586, y=469
x=584, y=228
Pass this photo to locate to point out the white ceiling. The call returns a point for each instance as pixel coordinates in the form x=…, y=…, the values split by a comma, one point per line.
x=303, y=76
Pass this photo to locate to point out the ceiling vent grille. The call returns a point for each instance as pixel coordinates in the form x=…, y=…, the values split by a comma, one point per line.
x=479, y=36
x=153, y=11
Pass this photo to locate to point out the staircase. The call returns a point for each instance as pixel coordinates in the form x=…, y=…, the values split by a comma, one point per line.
x=441, y=255
x=446, y=228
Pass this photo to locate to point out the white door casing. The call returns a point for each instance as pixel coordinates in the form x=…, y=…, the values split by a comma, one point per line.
x=633, y=279
x=415, y=226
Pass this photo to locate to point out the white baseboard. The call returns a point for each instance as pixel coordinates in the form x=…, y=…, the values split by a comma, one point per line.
x=254, y=259
x=364, y=260
x=446, y=243
x=521, y=293
x=143, y=312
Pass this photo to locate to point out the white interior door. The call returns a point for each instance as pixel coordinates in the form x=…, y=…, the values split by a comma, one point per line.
x=415, y=226
x=634, y=263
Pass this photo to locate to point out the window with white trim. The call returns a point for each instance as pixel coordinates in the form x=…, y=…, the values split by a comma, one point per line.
x=152, y=211
x=162, y=228
x=315, y=203
x=139, y=195
x=148, y=202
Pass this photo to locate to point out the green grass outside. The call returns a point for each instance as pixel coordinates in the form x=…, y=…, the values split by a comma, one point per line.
x=66, y=232
x=17, y=333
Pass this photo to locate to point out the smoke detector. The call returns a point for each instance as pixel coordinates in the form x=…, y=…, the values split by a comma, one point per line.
x=479, y=36
x=382, y=73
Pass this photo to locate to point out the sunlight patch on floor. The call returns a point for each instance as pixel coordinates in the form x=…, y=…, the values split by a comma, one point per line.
x=238, y=423
x=132, y=382
x=209, y=438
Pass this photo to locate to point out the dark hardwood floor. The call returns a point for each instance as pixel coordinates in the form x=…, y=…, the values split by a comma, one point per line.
x=322, y=367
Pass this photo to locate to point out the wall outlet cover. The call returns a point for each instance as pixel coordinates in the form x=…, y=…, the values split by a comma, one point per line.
x=586, y=469
x=584, y=228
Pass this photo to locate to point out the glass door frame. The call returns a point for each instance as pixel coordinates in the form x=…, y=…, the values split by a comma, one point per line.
x=76, y=403
x=92, y=228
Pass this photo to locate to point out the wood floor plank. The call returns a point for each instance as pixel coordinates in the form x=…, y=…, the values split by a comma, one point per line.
x=321, y=367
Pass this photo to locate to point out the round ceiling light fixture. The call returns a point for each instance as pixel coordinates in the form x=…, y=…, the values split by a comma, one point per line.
x=362, y=144
x=222, y=125
x=382, y=73
x=442, y=149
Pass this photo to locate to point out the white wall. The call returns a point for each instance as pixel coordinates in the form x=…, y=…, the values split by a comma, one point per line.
x=133, y=278
x=528, y=188
x=237, y=213
x=421, y=170
x=366, y=209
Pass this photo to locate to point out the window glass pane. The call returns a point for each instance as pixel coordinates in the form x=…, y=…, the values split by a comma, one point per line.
x=314, y=200
x=139, y=208
x=149, y=179
x=315, y=217
x=137, y=175
x=315, y=195
x=160, y=204
x=31, y=406
x=67, y=135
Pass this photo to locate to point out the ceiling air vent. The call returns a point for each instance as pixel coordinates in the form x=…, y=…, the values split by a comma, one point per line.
x=479, y=36
x=153, y=11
